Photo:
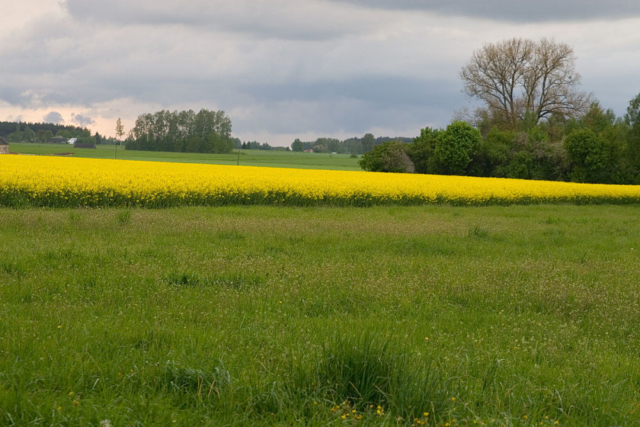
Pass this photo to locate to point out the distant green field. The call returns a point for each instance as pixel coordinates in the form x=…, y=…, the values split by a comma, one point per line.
x=275, y=159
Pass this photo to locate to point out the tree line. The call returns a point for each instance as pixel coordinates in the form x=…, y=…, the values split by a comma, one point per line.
x=534, y=124
x=255, y=145
x=45, y=132
x=184, y=131
x=38, y=132
x=348, y=146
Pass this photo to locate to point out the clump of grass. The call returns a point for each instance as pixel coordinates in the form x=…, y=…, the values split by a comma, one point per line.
x=12, y=268
x=374, y=376
x=124, y=217
x=478, y=232
x=74, y=217
x=360, y=370
x=183, y=279
x=230, y=280
x=182, y=380
x=232, y=234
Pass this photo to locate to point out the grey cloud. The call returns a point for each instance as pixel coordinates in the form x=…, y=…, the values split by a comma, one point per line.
x=53, y=117
x=378, y=90
x=82, y=120
x=10, y=94
x=19, y=118
x=281, y=19
x=170, y=54
x=352, y=106
x=514, y=11
x=331, y=116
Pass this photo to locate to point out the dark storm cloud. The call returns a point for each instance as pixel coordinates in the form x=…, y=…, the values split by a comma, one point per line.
x=515, y=11
x=53, y=117
x=82, y=120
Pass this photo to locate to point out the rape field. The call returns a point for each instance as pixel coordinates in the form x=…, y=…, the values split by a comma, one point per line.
x=65, y=182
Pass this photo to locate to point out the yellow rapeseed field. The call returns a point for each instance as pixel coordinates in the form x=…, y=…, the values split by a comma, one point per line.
x=51, y=181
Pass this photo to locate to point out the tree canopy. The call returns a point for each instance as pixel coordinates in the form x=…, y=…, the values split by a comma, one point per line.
x=520, y=79
x=184, y=131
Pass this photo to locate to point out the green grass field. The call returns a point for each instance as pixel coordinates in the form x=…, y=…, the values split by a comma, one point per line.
x=280, y=159
x=522, y=315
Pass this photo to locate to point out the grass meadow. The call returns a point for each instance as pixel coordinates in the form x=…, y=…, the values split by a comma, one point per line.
x=434, y=315
x=279, y=159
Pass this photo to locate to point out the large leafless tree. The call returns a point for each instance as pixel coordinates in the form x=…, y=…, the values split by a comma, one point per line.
x=520, y=78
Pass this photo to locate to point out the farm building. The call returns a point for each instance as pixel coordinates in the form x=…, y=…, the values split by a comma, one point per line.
x=408, y=164
x=4, y=146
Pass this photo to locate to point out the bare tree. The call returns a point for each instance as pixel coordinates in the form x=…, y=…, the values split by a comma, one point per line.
x=119, y=129
x=519, y=78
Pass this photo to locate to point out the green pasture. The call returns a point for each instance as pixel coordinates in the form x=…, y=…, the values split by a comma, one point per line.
x=279, y=159
x=501, y=316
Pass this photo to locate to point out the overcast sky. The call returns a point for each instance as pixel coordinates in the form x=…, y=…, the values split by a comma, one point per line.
x=286, y=69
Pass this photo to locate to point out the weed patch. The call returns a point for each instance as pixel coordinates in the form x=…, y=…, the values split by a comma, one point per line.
x=231, y=280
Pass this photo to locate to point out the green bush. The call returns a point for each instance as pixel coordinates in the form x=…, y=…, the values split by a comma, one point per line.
x=389, y=156
x=587, y=156
x=456, y=146
x=422, y=149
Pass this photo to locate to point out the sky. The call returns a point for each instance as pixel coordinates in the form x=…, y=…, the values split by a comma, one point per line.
x=287, y=69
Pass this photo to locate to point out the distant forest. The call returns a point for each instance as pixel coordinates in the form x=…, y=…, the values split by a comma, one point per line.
x=26, y=130
x=352, y=145
x=43, y=132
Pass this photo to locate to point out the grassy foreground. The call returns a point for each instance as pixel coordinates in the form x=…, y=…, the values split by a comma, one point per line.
x=522, y=315
x=275, y=159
